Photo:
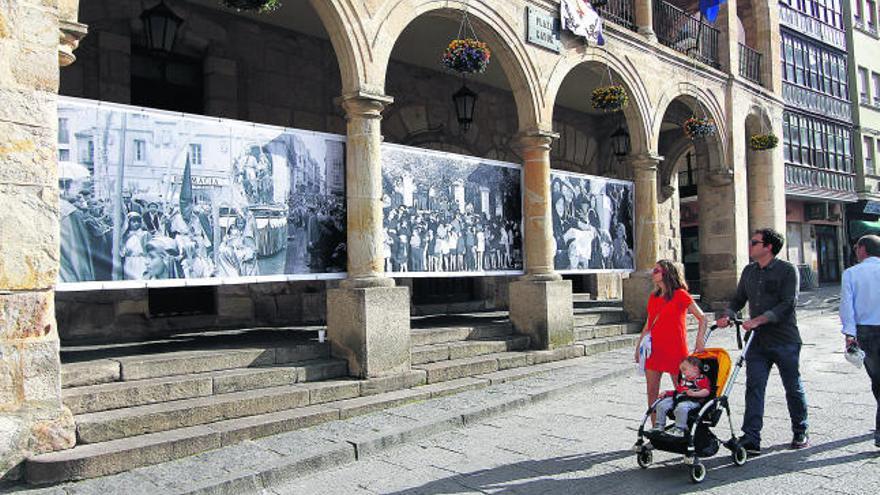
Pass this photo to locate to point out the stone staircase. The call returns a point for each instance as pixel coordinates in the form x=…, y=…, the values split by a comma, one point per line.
x=143, y=404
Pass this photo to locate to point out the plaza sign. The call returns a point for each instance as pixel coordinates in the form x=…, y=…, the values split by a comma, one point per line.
x=543, y=29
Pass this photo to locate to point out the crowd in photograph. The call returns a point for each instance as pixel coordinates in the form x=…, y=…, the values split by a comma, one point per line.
x=316, y=223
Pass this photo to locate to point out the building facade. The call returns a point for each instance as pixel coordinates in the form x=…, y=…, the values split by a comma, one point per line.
x=820, y=175
x=368, y=70
x=862, y=216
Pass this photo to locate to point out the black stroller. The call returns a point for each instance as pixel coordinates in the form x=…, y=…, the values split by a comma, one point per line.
x=699, y=441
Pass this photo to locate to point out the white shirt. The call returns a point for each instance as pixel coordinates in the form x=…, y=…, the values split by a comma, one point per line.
x=860, y=295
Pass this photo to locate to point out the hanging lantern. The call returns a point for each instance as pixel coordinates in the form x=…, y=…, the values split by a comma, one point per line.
x=465, y=101
x=620, y=141
x=161, y=25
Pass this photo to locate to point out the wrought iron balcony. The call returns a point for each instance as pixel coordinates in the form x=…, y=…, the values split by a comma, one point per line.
x=686, y=33
x=621, y=12
x=749, y=63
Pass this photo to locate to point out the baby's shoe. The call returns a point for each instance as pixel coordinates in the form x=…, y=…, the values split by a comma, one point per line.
x=676, y=432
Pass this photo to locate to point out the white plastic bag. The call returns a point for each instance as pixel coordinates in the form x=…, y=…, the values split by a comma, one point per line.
x=644, y=352
x=855, y=355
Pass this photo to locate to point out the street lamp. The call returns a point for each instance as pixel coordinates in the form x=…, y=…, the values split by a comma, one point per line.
x=620, y=141
x=161, y=25
x=465, y=100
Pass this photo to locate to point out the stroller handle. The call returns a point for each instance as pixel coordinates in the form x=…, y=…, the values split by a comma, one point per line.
x=737, y=322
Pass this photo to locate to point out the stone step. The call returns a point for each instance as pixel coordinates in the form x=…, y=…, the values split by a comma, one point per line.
x=153, y=418
x=468, y=348
x=429, y=336
x=146, y=366
x=118, y=395
x=601, y=331
x=208, y=423
x=598, y=316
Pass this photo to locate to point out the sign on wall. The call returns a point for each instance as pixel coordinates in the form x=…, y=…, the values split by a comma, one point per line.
x=153, y=198
x=450, y=215
x=543, y=29
x=592, y=223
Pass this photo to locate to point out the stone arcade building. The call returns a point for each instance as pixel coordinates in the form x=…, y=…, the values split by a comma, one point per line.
x=367, y=69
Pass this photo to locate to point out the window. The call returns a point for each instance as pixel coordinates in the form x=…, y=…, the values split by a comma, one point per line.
x=63, y=155
x=140, y=150
x=857, y=11
x=869, y=155
x=871, y=14
x=195, y=154
x=876, y=79
x=86, y=150
x=864, y=87
x=63, y=131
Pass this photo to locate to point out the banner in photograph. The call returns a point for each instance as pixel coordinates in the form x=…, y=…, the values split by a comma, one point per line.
x=154, y=198
x=450, y=215
x=592, y=223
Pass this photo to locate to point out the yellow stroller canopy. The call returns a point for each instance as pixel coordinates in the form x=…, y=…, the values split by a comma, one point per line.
x=721, y=357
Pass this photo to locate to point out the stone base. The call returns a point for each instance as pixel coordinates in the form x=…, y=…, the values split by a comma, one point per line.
x=33, y=431
x=369, y=327
x=543, y=310
x=636, y=290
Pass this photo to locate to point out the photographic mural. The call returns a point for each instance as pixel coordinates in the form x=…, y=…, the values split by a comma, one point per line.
x=592, y=223
x=151, y=195
x=447, y=214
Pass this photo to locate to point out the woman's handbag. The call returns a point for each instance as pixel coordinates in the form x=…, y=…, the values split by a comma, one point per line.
x=645, y=346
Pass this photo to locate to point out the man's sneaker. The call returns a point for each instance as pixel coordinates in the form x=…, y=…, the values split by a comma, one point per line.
x=752, y=448
x=800, y=441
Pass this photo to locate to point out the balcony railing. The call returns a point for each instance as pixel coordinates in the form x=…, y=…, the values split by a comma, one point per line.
x=686, y=33
x=819, y=182
x=621, y=12
x=749, y=63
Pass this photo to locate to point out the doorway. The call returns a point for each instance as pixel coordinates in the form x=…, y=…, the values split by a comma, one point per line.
x=829, y=261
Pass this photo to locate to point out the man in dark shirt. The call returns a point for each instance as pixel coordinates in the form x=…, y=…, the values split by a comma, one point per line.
x=770, y=286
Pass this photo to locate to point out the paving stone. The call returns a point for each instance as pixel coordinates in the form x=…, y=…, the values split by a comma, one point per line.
x=331, y=391
x=413, y=378
x=263, y=425
x=118, y=395
x=472, y=348
x=363, y=405
x=90, y=373
x=430, y=353
x=459, y=368
x=302, y=352
x=442, y=389
x=567, y=352
x=321, y=370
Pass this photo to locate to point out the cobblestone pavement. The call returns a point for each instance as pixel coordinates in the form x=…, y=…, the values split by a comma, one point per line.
x=580, y=444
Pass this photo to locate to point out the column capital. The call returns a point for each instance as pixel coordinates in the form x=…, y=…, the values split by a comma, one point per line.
x=364, y=104
x=644, y=161
x=534, y=139
x=70, y=33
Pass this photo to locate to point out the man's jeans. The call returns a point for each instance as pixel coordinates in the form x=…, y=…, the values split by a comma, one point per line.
x=758, y=364
x=869, y=340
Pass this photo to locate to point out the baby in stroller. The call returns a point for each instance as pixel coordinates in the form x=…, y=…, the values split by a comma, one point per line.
x=692, y=387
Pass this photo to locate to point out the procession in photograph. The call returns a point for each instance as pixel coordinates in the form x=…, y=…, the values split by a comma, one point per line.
x=147, y=197
x=446, y=213
x=592, y=223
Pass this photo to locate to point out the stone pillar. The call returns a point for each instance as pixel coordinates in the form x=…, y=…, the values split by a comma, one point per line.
x=638, y=286
x=769, y=44
x=367, y=317
x=540, y=302
x=32, y=416
x=644, y=18
x=728, y=37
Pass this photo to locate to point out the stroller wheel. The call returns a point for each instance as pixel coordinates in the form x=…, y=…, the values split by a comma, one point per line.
x=739, y=455
x=645, y=458
x=698, y=472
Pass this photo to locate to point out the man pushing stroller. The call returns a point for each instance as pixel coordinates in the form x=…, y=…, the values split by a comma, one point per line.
x=692, y=387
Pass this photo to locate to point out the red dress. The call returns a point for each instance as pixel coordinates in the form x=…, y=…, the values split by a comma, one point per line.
x=668, y=335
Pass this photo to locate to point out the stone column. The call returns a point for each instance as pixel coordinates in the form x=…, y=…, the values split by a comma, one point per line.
x=32, y=416
x=368, y=317
x=644, y=18
x=540, y=302
x=638, y=286
x=728, y=37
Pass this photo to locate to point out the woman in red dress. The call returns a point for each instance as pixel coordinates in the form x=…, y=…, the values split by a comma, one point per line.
x=668, y=306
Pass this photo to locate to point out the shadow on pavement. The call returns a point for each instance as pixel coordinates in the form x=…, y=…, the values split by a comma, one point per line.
x=666, y=476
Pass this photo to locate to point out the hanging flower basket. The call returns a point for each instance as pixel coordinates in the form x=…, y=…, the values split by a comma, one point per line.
x=467, y=55
x=261, y=6
x=699, y=127
x=762, y=142
x=610, y=98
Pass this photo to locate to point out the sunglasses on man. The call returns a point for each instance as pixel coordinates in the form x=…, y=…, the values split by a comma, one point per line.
x=755, y=242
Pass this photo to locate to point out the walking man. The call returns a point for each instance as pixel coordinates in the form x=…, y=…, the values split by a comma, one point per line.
x=860, y=312
x=770, y=286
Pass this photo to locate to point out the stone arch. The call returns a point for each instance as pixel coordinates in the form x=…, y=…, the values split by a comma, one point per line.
x=350, y=44
x=699, y=101
x=638, y=111
x=504, y=39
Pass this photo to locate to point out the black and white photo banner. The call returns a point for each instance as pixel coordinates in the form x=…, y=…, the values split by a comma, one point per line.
x=154, y=198
x=592, y=223
x=449, y=215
